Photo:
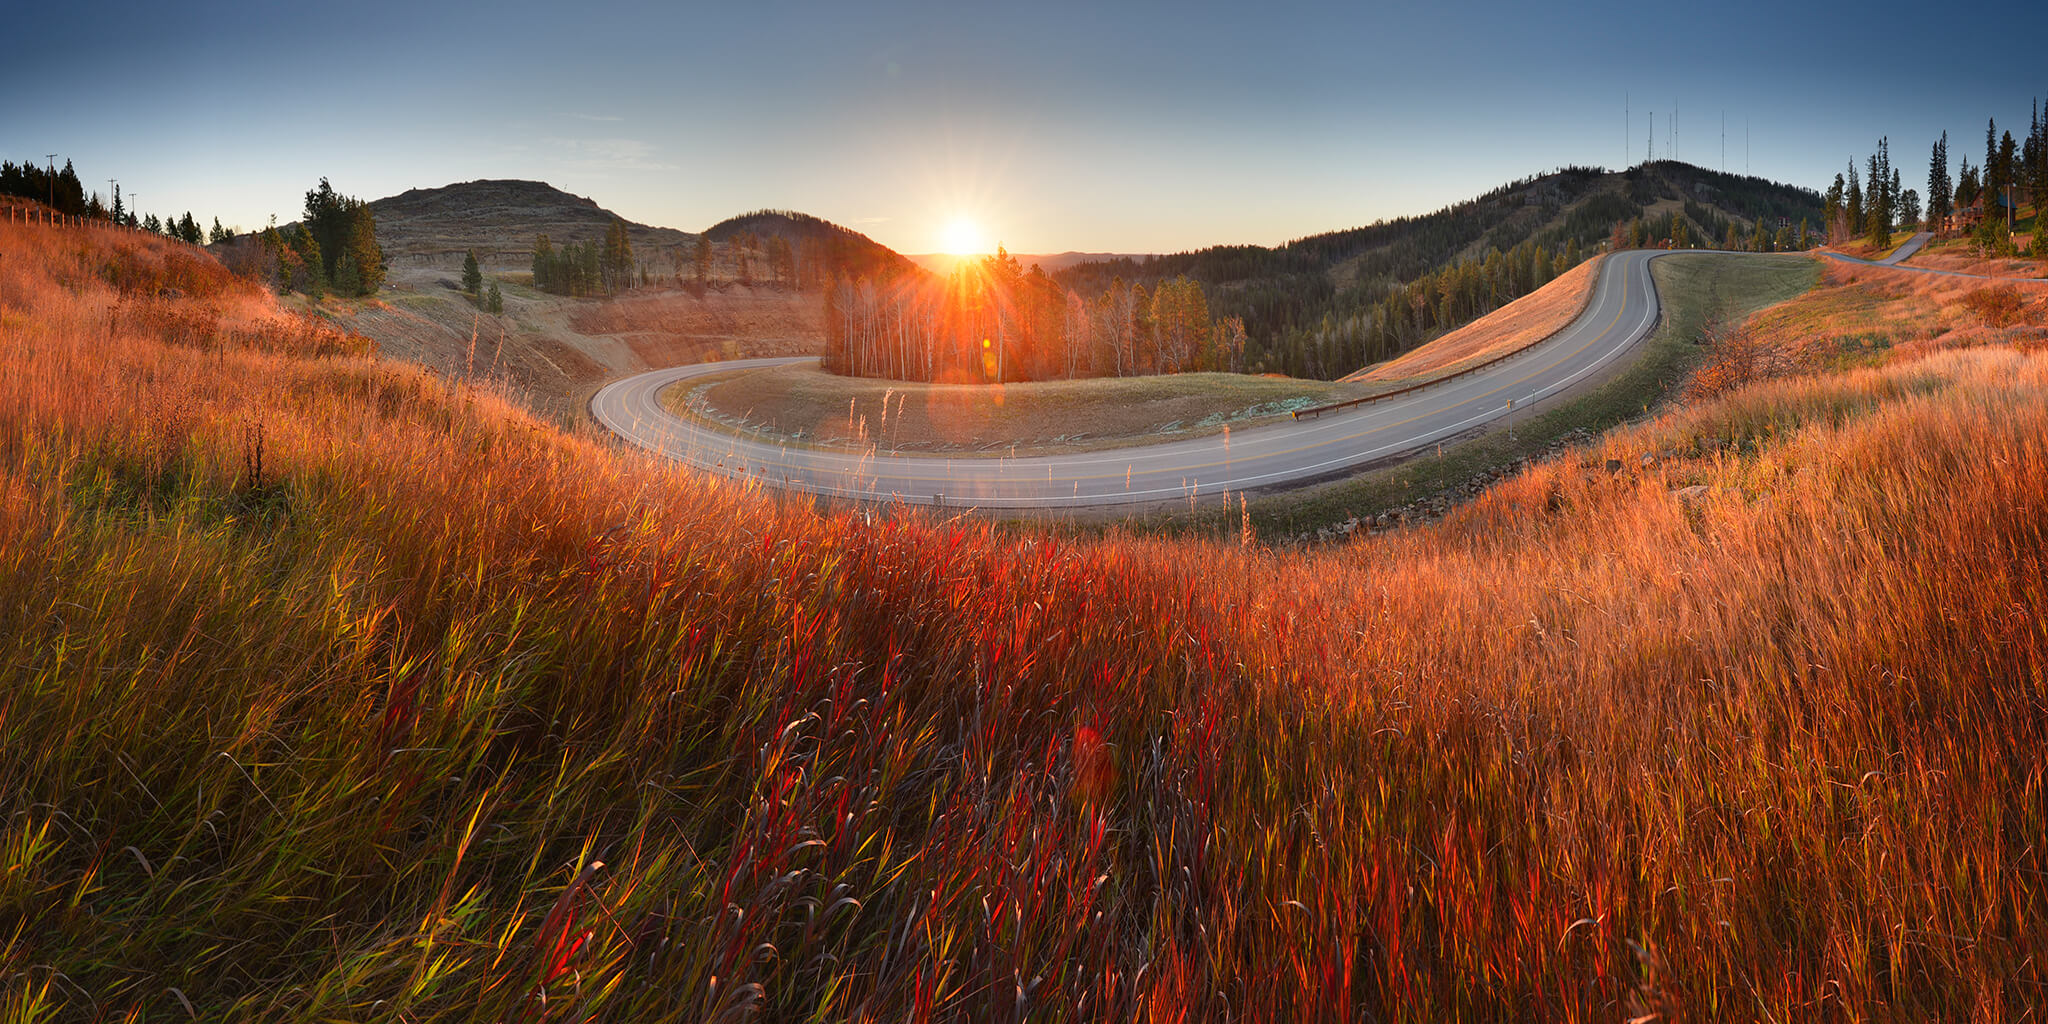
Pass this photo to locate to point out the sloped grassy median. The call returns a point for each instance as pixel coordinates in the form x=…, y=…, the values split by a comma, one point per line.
x=810, y=406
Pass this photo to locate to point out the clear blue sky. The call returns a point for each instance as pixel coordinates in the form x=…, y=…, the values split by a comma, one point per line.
x=1114, y=126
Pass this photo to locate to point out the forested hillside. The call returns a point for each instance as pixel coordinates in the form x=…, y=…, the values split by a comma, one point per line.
x=804, y=250
x=1329, y=303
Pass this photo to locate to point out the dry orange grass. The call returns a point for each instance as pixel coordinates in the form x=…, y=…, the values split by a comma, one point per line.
x=1520, y=323
x=331, y=690
x=1956, y=255
x=1862, y=314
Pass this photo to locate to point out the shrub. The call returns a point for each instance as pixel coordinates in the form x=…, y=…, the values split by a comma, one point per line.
x=1999, y=306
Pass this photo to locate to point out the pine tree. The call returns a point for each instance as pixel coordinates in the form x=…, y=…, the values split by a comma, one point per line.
x=2008, y=176
x=617, y=260
x=362, y=244
x=543, y=264
x=348, y=278
x=1940, y=193
x=495, y=301
x=1990, y=147
x=1852, y=206
x=472, y=275
x=219, y=234
x=1832, y=208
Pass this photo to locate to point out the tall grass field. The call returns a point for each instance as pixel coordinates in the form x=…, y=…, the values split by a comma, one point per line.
x=331, y=690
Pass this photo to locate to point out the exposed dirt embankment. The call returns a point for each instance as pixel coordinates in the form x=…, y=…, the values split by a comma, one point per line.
x=558, y=350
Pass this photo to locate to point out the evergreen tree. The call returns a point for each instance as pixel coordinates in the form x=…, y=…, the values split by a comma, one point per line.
x=362, y=244
x=702, y=260
x=543, y=264
x=495, y=302
x=1909, y=209
x=2008, y=177
x=348, y=278
x=1968, y=191
x=219, y=234
x=617, y=260
x=309, y=268
x=1852, y=205
x=1940, y=193
x=472, y=275
x=1990, y=147
x=344, y=225
x=1833, y=210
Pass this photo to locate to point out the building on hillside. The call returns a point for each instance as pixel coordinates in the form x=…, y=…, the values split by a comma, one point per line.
x=1963, y=218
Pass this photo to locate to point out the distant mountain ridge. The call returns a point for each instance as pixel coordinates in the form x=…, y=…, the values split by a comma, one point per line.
x=943, y=262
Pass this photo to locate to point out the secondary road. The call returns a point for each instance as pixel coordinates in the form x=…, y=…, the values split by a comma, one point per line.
x=1621, y=314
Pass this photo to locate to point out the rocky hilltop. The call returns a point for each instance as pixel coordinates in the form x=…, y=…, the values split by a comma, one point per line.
x=499, y=219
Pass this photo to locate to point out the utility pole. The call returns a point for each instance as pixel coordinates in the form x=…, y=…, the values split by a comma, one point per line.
x=1650, y=154
x=111, y=186
x=1626, y=124
x=1724, y=142
x=53, y=180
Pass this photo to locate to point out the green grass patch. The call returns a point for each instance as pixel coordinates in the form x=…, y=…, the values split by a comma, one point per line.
x=808, y=406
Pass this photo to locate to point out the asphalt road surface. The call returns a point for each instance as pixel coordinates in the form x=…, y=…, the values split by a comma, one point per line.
x=1621, y=314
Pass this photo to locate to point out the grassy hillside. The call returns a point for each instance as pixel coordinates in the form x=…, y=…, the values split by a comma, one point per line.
x=500, y=219
x=331, y=690
x=551, y=350
x=808, y=406
x=1304, y=298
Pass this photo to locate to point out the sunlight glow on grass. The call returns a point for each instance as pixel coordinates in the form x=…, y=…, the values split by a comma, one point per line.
x=332, y=688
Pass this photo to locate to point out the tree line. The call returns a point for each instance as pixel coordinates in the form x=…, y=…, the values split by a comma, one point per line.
x=1361, y=332
x=332, y=248
x=587, y=268
x=1303, y=303
x=992, y=321
x=63, y=192
x=1983, y=199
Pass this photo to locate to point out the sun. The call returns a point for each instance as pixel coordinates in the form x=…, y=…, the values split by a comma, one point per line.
x=963, y=237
